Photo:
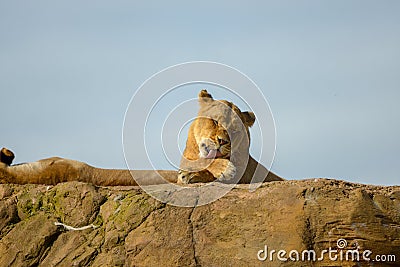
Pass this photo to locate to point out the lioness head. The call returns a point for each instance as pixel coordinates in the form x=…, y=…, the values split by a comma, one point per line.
x=217, y=123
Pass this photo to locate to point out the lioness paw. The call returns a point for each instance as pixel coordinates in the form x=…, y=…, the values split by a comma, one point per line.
x=187, y=177
x=222, y=169
x=229, y=172
x=183, y=177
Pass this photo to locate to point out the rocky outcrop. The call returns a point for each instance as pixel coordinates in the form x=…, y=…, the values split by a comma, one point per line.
x=123, y=226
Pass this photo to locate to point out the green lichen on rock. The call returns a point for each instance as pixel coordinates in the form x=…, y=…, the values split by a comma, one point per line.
x=133, y=209
x=30, y=202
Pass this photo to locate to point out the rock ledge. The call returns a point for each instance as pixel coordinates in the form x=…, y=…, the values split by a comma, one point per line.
x=132, y=229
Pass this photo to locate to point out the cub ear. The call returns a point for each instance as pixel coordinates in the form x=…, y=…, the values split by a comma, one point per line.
x=249, y=118
x=204, y=96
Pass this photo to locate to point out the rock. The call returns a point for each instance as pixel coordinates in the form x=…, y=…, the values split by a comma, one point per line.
x=129, y=228
x=28, y=242
x=8, y=214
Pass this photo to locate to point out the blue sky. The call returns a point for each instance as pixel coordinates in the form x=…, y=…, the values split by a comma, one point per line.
x=329, y=70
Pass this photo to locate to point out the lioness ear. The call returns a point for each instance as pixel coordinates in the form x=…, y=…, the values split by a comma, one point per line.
x=204, y=96
x=6, y=156
x=249, y=118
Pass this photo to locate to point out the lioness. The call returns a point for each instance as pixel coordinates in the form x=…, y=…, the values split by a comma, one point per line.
x=209, y=155
x=217, y=146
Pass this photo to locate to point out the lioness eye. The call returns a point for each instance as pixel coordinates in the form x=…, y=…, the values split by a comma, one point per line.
x=222, y=141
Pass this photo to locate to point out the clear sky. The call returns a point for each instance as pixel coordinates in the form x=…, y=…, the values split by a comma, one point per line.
x=330, y=71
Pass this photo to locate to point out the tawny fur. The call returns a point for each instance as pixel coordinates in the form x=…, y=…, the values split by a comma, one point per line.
x=214, y=117
x=56, y=170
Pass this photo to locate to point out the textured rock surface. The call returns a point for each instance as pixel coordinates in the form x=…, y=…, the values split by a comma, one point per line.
x=136, y=230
